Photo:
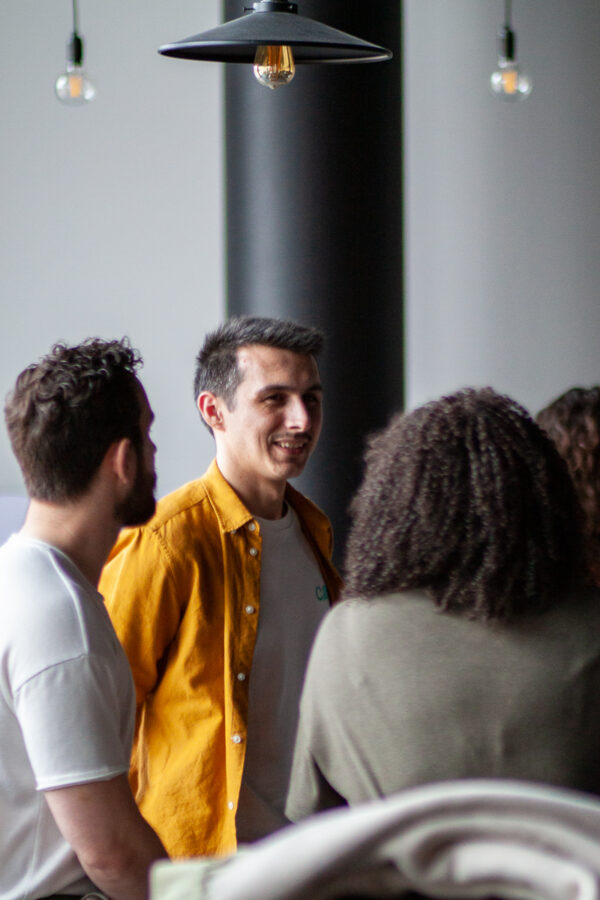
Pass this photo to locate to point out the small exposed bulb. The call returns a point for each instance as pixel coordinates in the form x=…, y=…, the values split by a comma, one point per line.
x=274, y=66
x=508, y=82
x=73, y=88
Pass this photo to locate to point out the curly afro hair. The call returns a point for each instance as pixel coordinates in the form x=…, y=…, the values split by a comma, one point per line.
x=467, y=498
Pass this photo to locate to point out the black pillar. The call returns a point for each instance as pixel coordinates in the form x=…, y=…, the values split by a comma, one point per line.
x=314, y=228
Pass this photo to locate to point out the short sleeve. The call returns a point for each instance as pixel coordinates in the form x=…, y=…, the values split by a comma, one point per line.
x=76, y=725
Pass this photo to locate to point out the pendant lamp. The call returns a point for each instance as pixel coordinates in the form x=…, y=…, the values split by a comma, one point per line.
x=73, y=88
x=273, y=37
x=508, y=81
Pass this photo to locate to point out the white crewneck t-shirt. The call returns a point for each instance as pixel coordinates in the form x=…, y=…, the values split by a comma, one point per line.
x=67, y=710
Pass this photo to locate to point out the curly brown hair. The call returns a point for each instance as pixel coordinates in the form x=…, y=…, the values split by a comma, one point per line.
x=573, y=423
x=66, y=410
x=468, y=499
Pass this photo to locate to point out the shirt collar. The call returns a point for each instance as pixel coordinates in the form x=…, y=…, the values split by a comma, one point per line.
x=230, y=511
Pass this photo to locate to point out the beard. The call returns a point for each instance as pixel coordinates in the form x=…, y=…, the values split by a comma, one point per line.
x=140, y=504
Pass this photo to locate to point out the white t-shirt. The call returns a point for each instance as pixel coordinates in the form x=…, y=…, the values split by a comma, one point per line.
x=293, y=601
x=67, y=710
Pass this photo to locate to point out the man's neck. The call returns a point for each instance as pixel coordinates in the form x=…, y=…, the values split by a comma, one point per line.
x=261, y=498
x=74, y=530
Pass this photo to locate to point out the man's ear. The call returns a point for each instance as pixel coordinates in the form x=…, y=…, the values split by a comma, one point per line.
x=210, y=408
x=121, y=459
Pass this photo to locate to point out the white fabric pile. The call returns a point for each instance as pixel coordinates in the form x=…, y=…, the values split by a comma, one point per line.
x=461, y=839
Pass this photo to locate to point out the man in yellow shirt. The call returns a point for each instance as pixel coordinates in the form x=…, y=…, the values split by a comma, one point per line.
x=216, y=600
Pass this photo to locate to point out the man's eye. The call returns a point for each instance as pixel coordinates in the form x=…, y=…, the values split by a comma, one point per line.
x=312, y=399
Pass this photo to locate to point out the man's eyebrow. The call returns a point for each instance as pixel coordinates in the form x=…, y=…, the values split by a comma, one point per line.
x=288, y=387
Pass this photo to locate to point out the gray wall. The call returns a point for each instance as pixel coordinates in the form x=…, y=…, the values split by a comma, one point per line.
x=502, y=200
x=111, y=214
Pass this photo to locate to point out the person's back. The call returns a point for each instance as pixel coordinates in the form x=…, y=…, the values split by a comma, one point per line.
x=415, y=696
x=54, y=627
x=79, y=425
x=467, y=646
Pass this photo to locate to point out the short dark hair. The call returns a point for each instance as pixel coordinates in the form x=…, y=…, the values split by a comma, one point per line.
x=217, y=368
x=66, y=410
x=572, y=421
x=468, y=499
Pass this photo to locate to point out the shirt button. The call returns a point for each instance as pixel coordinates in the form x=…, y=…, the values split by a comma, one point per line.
x=230, y=804
x=251, y=526
x=253, y=551
x=241, y=676
x=236, y=738
x=250, y=609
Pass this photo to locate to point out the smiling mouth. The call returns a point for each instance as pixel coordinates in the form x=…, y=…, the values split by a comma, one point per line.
x=294, y=446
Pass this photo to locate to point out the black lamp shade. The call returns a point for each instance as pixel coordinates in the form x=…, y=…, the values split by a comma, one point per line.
x=312, y=42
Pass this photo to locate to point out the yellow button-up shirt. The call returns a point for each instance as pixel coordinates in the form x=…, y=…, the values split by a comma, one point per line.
x=183, y=592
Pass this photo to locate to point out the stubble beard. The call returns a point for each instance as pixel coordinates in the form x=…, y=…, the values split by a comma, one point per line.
x=140, y=504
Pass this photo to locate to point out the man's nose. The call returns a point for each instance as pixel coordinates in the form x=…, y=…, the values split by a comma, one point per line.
x=298, y=415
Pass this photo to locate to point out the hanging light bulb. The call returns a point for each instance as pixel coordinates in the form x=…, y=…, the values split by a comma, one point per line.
x=508, y=81
x=73, y=87
x=274, y=66
x=273, y=37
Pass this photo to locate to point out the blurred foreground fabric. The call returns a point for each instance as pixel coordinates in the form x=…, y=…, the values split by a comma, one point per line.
x=461, y=839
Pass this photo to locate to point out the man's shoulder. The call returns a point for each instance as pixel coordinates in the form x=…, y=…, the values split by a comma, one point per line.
x=30, y=568
x=185, y=521
x=49, y=613
x=175, y=509
x=174, y=523
x=185, y=501
x=210, y=501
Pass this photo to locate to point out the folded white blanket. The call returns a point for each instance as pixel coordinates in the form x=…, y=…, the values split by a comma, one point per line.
x=462, y=839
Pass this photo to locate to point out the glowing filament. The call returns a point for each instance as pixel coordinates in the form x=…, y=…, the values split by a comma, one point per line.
x=510, y=81
x=75, y=86
x=274, y=66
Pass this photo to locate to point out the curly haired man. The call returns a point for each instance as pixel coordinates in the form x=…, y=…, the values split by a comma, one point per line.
x=79, y=424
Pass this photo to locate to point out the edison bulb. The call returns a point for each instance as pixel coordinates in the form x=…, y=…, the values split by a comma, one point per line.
x=73, y=87
x=508, y=82
x=274, y=66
